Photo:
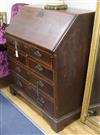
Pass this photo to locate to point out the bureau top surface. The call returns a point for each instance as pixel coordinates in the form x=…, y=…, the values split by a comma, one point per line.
x=41, y=27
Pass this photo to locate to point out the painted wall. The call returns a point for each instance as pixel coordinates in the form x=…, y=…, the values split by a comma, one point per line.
x=5, y=5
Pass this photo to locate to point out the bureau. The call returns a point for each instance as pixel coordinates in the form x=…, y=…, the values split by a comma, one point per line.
x=49, y=68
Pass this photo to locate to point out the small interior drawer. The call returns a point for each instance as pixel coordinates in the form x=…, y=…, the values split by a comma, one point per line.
x=40, y=69
x=21, y=57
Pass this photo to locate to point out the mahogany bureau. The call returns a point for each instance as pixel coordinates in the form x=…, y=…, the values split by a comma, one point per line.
x=50, y=63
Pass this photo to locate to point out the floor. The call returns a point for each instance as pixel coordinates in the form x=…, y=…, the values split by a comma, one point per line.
x=76, y=128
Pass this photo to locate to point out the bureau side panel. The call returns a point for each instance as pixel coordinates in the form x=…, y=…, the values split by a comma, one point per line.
x=71, y=60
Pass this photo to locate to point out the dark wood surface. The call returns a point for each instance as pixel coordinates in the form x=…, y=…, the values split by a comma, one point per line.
x=72, y=56
x=46, y=27
x=51, y=68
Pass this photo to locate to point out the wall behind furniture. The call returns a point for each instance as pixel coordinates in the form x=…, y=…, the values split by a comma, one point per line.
x=5, y=5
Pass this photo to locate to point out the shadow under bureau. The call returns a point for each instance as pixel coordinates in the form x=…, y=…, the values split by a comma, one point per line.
x=48, y=53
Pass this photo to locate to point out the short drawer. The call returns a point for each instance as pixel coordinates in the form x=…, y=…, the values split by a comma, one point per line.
x=42, y=70
x=28, y=48
x=21, y=57
x=39, y=99
x=29, y=76
x=31, y=92
x=18, y=69
x=14, y=42
x=17, y=82
x=45, y=57
x=41, y=84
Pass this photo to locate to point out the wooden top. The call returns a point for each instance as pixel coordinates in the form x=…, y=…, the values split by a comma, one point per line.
x=41, y=27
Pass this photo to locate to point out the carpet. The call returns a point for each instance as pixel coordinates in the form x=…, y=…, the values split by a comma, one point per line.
x=14, y=122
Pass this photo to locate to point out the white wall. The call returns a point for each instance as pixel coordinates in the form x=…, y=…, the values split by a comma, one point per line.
x=5, y=5
x=83, y=4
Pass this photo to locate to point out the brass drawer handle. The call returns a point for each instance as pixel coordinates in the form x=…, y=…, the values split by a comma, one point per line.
x=12, y=42
x=40, y=101
x=19, y=84
x=38, y=54
x=39, y=67
x=41, y=84
x=18, y=69
x=28, y=73
x=29, y=87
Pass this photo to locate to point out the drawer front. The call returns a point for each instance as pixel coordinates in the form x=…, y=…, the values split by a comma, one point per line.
x=30, y=49
x=18, y=83
x=13, y=42
x=41, y=69
x=38, y=83
x=39, y=99
x=21, y=57
x=18, y=70
x=31, y=92
x=41, y=55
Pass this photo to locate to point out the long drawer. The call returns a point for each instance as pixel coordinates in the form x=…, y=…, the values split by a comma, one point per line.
x=32, y=93
x=33, y=78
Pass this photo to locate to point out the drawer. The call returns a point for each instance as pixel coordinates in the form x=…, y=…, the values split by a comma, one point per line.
x=28, y=48
x=21, y=58
x=39, y=99
x=31, y=92
x=41, y=84
x=18, y=69
x=42, y=70
x=17, y=82
x=29, y=76
x=41, y=55
x=13, y=42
